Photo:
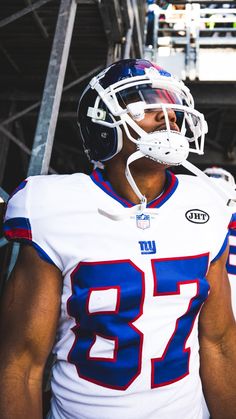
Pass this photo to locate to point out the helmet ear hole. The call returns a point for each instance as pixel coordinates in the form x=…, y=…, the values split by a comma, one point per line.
x=100, y=142
x=105, y=143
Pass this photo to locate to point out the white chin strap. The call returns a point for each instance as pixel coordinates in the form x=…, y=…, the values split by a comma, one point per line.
x=133, y=157
x=136, y=209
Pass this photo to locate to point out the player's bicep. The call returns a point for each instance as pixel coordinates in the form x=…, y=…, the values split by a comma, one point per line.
x=216, y=317
x=30, y=309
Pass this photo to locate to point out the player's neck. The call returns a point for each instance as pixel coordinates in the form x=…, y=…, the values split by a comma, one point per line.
x=150, y=181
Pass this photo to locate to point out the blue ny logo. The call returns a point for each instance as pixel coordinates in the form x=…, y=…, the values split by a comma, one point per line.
x=147, y=247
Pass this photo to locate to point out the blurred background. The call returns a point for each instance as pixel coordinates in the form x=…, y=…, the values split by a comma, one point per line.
x=50, y=49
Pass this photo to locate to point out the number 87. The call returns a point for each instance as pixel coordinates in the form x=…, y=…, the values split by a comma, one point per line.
x=108, y=297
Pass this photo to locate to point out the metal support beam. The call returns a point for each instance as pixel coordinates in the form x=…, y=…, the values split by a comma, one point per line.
x=20, y=132
x=23, y=12
x=37, y=104
x=9, y=58
x=4, y=195
x=110, y=12
x=44, y=136
x=129, y=34
x=4, y=148
x=137, y=30
x=45, y=130
x=19, y=143
x=15, y=140
x=3, y=242
x=38, y=21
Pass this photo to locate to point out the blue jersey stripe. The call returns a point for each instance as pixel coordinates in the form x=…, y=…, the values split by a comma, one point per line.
x=19, y=229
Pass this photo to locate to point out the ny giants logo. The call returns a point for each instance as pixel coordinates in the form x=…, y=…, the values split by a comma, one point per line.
x=147, y=247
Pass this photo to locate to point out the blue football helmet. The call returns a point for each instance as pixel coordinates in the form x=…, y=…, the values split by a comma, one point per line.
x=120, y=95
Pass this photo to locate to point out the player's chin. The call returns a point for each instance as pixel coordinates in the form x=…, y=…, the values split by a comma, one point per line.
x=150, y=164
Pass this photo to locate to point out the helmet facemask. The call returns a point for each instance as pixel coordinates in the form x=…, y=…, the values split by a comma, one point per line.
x=130, y=99
x=115, y=102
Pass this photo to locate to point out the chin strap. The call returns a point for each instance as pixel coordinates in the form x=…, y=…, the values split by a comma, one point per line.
x=133, y=157
x=222, y=194
x=136, y=209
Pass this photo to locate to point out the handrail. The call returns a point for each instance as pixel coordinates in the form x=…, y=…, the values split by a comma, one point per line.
x=187, y=31
x=192, y=19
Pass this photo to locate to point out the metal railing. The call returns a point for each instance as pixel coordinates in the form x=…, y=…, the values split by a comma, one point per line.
x=190, y=29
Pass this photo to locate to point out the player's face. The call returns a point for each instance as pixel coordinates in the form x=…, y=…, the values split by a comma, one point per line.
x=152, y=121
x=153, y=118
x=155, y=121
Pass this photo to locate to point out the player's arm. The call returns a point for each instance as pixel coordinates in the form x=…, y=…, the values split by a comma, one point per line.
x=28, y=321
x=217, y=334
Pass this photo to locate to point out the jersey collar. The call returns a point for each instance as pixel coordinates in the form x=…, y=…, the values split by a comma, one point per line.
x=171, y=184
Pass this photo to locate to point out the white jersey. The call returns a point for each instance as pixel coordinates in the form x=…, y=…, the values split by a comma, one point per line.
x=127, y=342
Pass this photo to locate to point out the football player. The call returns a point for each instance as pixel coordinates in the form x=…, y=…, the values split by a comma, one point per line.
x=124, y=277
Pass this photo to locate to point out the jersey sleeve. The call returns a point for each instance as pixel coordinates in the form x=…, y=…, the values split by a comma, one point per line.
x=231, y=262
x=232, y=224
x=26, y=220
x=228, y=239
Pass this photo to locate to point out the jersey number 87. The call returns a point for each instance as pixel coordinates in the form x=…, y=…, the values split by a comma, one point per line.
x=108, y=297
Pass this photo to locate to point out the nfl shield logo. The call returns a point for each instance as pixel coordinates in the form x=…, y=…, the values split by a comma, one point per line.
x=143, y=221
